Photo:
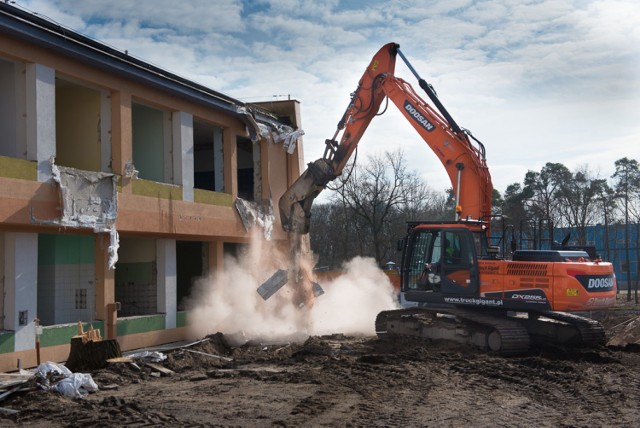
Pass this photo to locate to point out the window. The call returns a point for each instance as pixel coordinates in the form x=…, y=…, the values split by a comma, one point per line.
x=151, y=142
x=82, y=127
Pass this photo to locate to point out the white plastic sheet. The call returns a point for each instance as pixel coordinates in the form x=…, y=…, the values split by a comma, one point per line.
x=56, y=377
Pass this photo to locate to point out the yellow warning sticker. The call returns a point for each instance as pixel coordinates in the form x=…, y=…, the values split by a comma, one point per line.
x=572, y=292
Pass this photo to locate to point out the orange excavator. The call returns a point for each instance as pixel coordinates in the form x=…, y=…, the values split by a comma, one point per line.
x=454, y=286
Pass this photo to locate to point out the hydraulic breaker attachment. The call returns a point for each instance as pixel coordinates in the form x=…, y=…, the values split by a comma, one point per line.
x=295, y=204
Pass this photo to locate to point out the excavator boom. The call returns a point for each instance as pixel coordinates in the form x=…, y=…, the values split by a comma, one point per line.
x=465, y=163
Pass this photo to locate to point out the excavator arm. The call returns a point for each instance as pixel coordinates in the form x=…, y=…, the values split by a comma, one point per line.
x=464, y=162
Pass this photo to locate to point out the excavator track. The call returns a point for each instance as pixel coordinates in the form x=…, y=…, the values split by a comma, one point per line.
x=569, y=329
x=492, y=331
x=483, y=330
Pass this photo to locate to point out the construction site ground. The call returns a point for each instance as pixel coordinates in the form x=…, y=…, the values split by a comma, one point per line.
x=358, y=381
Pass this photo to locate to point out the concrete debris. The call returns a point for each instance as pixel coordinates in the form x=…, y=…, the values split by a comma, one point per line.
x=278, y=280
x=148, y=356
x=254, y=213
x=273, y=284
x=289, y=139
x=626, y=333
x=130, y=170
x=114, y=245
x=276, y=134
x=316, y=289
x=89, y=199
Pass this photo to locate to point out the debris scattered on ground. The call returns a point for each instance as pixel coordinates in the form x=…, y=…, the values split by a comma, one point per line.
x=345, y=380
x=58, y=378
x=625, y=333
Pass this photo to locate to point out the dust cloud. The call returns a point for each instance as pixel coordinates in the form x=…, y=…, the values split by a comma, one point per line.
x=228, y=302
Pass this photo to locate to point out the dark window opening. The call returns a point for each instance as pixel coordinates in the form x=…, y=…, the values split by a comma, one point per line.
x=207, y=157
x=189, y=268
x=246, y=184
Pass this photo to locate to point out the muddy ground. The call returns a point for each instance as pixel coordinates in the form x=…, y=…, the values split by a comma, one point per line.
x=357, y=381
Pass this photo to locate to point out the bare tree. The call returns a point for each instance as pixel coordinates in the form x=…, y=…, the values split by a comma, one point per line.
x=378, y=197
x=606, y=203
x=542, y=189
x=627, y=185
x=579, y=199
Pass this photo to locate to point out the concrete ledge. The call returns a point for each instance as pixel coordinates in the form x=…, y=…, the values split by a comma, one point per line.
x=18, y=168
x=212, y=198
x=156, y=190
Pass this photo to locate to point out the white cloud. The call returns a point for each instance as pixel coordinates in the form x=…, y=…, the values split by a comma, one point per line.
x=536, y=81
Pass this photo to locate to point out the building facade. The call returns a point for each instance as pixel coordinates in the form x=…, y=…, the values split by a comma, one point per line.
x=118, y=188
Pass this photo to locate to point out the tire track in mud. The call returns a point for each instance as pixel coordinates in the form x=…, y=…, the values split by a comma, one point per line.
x=344, y=381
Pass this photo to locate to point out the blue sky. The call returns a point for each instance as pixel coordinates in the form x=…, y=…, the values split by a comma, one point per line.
x=535, y=81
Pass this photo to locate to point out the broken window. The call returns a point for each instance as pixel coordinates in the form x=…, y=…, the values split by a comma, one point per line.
x=82, y=127
x=248, y=167
x=207, y=157
x=151, y=133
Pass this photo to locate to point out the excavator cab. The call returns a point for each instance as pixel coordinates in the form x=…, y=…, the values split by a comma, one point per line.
x=439, y=260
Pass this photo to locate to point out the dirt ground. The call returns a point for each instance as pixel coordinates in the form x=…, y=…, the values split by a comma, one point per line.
x=358, y=381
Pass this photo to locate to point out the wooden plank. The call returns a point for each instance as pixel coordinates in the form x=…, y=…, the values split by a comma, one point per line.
x=163, y=370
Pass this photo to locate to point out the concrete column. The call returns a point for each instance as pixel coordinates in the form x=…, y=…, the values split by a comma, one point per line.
x=41, y=117
x=105, y=286
x=257, y=171
x=167, y=280
x=183, y=152
x=121, y=135
x=218, y=159
x=265, y=169
x=21, y=287
x=216, y=257
x=105, y=131
x=230, y=162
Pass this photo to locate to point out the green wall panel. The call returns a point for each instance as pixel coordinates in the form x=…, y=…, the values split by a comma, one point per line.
x=181, y=319
x=142, y=324
x=7, y=342
x=65, y=249
x=62, y=334
x=137, y=273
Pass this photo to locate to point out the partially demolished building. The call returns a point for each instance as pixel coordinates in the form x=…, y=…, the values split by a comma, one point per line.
x=119, y=183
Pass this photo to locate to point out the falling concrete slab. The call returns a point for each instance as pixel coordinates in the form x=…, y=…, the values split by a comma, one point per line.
x=256, y=213
x=316, y=289
x=273, y=284
x=278, y=280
